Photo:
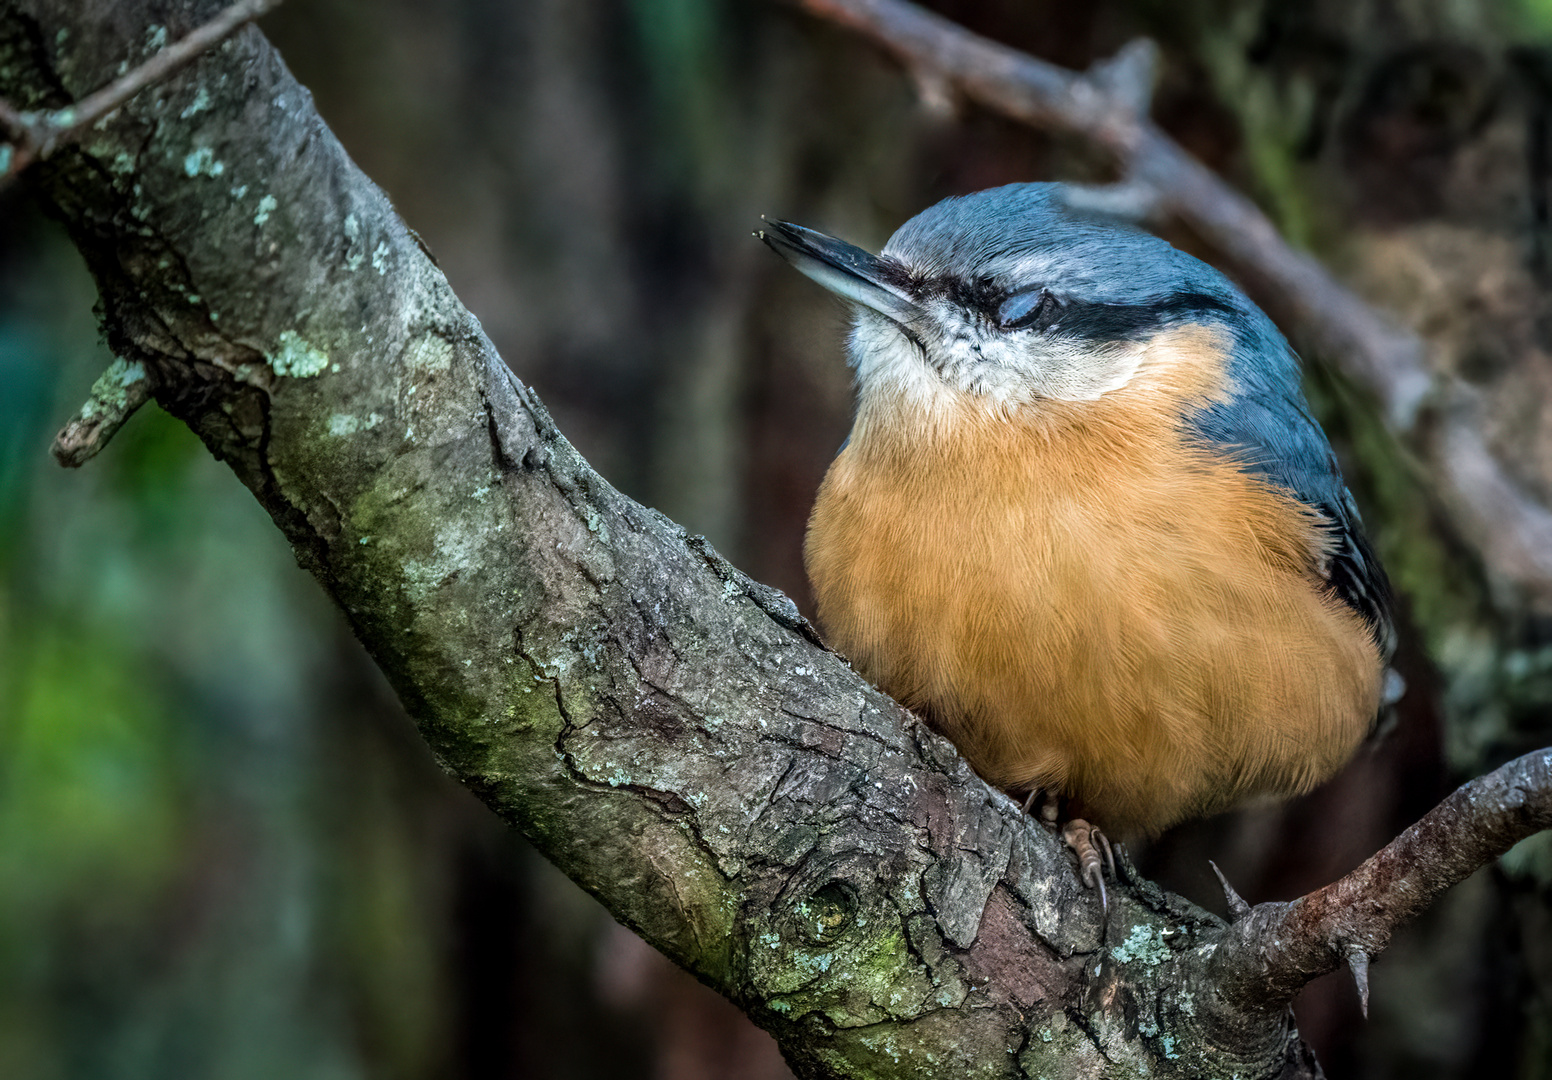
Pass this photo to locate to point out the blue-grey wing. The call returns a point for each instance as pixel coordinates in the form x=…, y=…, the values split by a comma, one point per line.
x=1266, y=426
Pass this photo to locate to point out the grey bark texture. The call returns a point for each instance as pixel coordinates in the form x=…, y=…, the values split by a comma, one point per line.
x=671, y=734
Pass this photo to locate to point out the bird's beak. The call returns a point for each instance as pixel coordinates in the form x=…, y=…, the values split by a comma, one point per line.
x=847, y=271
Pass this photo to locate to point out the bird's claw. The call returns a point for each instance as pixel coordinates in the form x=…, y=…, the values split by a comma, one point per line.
x=1085, y=840
x=1048, y=804
x=1087, y=843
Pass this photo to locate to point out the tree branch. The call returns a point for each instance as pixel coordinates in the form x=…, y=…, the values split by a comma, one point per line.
x=666, y=731
x=36, y=135
x=1510, y=529
x=115, y=396
x=1275, y=948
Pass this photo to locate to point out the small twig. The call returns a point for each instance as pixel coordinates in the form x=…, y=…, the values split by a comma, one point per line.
x=1108, y=105
x=1125, y=200
x=1269, y=954
x=1129, y=75
x=115, y=396
x=36, y=135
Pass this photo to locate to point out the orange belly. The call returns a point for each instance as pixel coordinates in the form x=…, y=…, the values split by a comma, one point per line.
x=1085, y=601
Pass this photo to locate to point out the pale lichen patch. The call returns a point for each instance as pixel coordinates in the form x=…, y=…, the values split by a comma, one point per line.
x=452, y=551
x=202, y=162
x=295, y=358
x=200, y=103
x=1144, y=943
x=354, y=255
x=266, y=205
x=110, y=393
x=343, y=424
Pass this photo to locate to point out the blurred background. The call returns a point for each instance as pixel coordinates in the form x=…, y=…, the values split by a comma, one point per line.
x=224, y=852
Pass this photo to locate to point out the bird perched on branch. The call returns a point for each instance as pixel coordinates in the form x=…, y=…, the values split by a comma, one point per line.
x=1084, y=523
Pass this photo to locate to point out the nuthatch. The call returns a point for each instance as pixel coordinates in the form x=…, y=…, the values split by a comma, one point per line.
x=1084, y=524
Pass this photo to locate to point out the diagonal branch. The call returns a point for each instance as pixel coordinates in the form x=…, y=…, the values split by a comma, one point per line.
x=1512, y=531
x=114, y=398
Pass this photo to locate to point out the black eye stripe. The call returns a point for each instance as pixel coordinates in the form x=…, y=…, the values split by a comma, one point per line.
x=1070, y=316
x=1123, y=322
x=1065, y=315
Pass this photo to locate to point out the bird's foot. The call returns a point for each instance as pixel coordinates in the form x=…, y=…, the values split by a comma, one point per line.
x=1087, y=843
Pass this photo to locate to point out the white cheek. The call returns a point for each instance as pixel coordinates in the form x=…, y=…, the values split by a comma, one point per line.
x=1026, y=368
x=1001, y=371
x=1072, y=371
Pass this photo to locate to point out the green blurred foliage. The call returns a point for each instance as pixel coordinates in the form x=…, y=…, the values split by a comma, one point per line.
x=164, y=687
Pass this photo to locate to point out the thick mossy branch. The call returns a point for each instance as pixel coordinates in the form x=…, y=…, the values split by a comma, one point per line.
x=668, y=732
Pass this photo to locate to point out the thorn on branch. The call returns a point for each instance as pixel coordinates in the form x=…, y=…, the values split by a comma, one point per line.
x=115, y=396
x=34, y=136
x=1267, y=957
x=1358, y=964
x=1238, y=908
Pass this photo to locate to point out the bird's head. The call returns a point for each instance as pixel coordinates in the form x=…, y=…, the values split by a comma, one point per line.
x=1014, y=294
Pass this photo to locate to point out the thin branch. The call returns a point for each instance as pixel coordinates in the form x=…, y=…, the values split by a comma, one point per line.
x=1269, y=954
x=36, y=135
x=1128, y=77
x=1108, y=106
x=115, y=396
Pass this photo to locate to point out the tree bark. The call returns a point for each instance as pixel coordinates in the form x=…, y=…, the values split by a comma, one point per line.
x=671, y=734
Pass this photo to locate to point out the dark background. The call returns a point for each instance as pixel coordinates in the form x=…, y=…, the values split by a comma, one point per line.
x=223, y=850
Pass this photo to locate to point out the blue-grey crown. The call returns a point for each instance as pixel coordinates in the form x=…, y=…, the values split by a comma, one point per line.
x=1020, y=236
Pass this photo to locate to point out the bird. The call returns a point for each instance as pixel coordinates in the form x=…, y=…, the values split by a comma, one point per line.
x=1084, y=523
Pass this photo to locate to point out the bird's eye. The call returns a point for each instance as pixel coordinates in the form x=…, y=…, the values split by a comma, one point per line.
x=1032, y=309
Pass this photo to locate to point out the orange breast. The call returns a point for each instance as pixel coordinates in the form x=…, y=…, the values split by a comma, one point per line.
x=1084, y=600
